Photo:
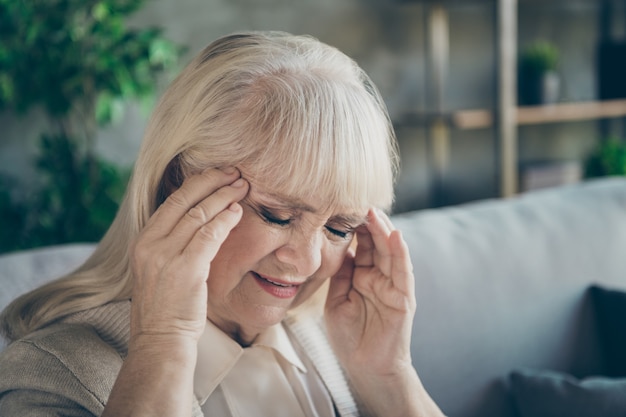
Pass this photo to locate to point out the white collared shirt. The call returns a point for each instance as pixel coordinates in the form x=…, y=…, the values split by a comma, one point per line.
x=271, y=378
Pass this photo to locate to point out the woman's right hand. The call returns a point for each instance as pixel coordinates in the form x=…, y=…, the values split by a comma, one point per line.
x=172, y=255
x=171, y=260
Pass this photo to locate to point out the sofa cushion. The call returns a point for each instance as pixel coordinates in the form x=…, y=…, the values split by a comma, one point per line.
x=543, y=393
x=26, y=270
x=610, y=308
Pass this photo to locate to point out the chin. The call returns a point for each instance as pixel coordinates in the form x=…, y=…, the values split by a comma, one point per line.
x=266, y=316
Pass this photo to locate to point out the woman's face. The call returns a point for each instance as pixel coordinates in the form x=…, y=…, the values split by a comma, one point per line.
x=279, y=254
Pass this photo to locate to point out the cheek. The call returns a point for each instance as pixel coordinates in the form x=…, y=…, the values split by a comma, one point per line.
x=236, y=254
x=333, y=259
x=248, y=244
x=246, y=239
x=312, y=295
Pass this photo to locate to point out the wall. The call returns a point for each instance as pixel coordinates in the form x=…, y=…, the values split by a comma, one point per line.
x=387, y=38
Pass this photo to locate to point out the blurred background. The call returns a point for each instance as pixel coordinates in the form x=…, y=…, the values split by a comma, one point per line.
x=489, y=98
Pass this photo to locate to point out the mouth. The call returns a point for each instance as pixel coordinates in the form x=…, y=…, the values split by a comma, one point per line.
x=277, y=288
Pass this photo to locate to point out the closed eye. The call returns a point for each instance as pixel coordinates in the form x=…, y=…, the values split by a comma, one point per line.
x=273, y=219
x=343, y=234
x=267, y=215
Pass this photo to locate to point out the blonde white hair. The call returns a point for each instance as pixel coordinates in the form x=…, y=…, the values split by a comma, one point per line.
x=296, y=112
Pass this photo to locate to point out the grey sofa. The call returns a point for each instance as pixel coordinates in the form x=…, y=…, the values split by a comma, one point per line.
x=501, y=285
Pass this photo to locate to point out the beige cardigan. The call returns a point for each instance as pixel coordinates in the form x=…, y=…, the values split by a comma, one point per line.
x=68, y=369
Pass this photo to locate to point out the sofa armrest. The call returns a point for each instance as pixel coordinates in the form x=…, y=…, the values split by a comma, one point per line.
x=502, y=284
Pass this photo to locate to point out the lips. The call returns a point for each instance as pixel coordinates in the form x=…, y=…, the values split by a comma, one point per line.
x=277, y=288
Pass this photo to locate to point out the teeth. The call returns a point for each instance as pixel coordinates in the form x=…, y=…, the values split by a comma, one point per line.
x=277, y=283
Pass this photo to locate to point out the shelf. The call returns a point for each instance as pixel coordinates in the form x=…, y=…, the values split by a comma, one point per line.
x=527, y=115
x=532, y=115
x=505, y=116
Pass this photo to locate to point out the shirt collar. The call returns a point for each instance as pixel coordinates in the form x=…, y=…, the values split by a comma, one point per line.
x=218, y=353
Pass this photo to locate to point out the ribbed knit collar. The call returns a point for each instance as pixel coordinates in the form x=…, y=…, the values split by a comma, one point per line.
x=111, y=321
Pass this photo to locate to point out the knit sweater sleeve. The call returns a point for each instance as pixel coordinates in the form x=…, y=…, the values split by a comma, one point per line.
x=65, y=370
x=32, y=403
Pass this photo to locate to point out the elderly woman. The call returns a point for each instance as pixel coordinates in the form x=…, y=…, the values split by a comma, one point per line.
x=258, y=193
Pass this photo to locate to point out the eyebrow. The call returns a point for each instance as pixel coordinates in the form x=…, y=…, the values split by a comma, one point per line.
x=352, y=220
x=290, y=202
x=293, y=203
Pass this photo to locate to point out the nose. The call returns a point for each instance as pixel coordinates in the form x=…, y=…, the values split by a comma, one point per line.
x=303, y=252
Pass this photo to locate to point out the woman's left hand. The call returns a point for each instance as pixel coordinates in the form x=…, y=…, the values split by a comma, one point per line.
x=371, y=300
x=369, y=317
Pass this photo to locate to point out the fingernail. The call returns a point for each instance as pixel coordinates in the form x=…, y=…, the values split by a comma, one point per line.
x=239, y=183
x=229, y=170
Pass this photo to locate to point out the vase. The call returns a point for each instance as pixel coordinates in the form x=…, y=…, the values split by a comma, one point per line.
x=550, y=87
x=537, y=88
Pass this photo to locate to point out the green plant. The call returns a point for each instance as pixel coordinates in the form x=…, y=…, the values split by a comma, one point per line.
x=80, y=63
x=537, y=67
x=70, y=207
x=539, y=57
x=608, y=158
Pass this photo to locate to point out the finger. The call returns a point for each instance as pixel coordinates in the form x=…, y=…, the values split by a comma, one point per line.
x=367, y=256
x=364, y=253
x=386, y=220
x=380, y=237
x=194, y=189
x=341, y=282
x=207, y=240
x=401, y=266
x=206, y=210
